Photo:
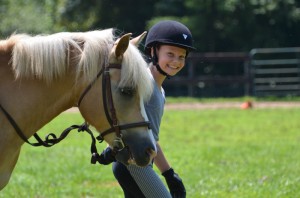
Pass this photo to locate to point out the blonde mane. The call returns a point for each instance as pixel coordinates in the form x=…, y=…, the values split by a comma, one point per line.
x=46, y=57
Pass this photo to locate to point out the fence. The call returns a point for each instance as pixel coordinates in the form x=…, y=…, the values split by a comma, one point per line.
x=262, y=72
x=224, y=74
x=275, y=71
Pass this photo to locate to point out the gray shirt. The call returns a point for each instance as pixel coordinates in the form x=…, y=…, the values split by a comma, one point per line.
x=155, y=109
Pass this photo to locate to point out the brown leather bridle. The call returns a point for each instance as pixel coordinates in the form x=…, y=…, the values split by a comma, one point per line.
x=110, y=110
x=110, y=113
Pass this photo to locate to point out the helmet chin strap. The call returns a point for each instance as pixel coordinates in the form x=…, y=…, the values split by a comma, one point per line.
x=154, y=60
x=162, y=72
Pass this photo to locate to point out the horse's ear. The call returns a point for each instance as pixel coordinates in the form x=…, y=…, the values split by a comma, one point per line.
x=137, y=40
x=122, y=45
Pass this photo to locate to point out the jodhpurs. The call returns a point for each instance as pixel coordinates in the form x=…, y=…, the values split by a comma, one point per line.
x=139, y=182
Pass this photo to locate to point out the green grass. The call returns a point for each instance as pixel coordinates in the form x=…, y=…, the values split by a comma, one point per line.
x=218, y=153
x=236, y=99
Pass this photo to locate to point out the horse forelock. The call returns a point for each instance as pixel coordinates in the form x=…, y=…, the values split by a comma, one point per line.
x=46, y=56
x=136, y=74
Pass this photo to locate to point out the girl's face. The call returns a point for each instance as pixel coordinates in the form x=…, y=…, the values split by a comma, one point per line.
x=171, y=59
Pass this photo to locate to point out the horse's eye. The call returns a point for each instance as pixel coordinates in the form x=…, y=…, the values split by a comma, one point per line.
x=127, y=91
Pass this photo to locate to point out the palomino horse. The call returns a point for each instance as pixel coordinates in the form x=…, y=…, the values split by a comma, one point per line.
x=105, y=77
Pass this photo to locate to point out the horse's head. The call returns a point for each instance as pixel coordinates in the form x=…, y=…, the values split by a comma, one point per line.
x=123, y=86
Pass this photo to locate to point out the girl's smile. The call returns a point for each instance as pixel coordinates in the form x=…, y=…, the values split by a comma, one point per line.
x=171, y=59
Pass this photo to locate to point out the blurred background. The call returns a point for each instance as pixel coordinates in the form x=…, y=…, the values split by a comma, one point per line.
x=244, y=48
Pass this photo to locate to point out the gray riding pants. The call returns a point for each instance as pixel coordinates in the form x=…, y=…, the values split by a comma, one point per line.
x=138, y=182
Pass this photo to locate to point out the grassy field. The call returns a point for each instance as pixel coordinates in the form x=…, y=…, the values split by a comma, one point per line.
x=236, y=99
x=218, y=153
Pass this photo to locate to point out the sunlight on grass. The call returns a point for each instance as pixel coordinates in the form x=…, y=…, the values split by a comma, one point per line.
x=218, y=153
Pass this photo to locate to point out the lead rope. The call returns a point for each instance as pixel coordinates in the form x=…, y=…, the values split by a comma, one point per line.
x=51, y=139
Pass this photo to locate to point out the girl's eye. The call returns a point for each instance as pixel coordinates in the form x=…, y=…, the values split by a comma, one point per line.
x=170, y=55
x=182, y=58
x=127, y=91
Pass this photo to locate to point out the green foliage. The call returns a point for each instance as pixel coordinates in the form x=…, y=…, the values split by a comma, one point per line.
x=128, y=16
x=27, y=16
x=228, y=25
x=78, y=15
x=233, y=25
x=218, y=153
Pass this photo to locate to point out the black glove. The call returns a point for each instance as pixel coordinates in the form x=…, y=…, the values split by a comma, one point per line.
x=175, y=184
x=106, y=157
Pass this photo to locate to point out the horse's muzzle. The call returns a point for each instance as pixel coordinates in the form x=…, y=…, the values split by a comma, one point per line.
x=140, y=151
x=125, y=156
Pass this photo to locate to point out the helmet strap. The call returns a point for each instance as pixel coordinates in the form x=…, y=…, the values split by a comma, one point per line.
x=162, y=72
x=155, y=62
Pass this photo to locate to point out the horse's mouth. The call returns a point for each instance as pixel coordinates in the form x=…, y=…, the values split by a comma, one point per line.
x=150, y=154
x=126, y=156
x=131, y=152
x=131, y=161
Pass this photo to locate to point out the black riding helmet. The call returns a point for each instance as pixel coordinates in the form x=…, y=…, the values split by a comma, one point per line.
x=169, y=33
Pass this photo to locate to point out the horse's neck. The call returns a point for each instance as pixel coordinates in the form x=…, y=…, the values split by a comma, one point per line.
x=32, y=103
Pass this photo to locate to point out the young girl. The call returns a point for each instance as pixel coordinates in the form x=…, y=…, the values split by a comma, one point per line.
x=167, y=45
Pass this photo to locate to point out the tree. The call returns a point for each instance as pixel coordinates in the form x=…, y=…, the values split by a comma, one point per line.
x=79, y=15
x=128, y=16
x=228, y=25
x=31, y=16
x=233, y=25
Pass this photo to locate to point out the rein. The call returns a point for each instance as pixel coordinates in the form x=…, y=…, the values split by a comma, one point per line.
x=51, y=139
x=110, y=113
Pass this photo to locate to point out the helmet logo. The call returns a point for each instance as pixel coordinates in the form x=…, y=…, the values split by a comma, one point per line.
x=184, y=36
